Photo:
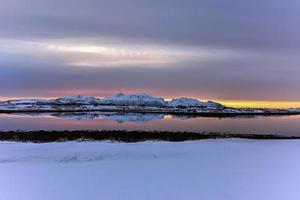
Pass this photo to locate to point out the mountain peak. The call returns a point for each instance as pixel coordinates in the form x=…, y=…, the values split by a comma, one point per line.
x=189, y=102
x=138, y=99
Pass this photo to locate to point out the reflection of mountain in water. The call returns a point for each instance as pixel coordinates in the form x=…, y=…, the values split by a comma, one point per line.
x=113, y=116
x=77, y=116
x=119, y=117
x=133, y=117
x=183, y=117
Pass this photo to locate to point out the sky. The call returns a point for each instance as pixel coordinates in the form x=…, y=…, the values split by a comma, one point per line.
x=231, y=51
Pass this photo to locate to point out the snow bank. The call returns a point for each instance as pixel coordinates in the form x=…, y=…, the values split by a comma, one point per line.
x=213, y=169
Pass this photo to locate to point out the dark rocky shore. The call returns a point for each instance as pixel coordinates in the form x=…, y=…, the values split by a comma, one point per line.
x=124, y=136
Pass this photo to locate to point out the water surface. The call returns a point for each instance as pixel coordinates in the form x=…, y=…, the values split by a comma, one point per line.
x=282, y=125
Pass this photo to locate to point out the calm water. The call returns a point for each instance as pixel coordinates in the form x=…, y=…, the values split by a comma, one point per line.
x=283, y=125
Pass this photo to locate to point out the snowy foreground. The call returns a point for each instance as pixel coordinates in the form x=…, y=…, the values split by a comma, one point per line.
x=232, y=169
x=135, y=103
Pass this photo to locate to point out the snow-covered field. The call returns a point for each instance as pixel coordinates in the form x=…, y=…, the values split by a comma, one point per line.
x=232, y=169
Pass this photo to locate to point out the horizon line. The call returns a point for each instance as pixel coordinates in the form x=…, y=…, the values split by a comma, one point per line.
x=242, y=103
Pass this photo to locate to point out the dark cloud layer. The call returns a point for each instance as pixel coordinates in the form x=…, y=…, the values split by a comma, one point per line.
x=267, y=30
x=233, y=22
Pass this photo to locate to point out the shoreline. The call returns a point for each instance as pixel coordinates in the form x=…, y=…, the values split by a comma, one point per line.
x=41, y=136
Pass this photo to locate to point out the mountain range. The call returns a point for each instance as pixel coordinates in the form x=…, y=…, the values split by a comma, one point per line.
x=132, y=103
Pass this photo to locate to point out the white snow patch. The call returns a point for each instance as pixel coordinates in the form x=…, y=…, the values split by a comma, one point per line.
x=230, y=169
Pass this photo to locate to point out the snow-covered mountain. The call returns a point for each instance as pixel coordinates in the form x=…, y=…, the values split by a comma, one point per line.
x=76, y=99
x=27, y=102
x=189, y=102
x=133, y=103
x=139, y=99
x=120, y=99
x=212, y=104
x=186, y=102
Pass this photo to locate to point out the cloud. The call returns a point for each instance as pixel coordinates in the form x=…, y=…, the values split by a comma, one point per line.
x=253, y=24
x=208, y=49
x=115, y=54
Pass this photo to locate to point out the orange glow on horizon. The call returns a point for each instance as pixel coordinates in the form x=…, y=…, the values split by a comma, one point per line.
x=260, y=104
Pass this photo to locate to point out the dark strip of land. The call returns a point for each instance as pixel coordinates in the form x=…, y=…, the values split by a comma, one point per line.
x=123, y=136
